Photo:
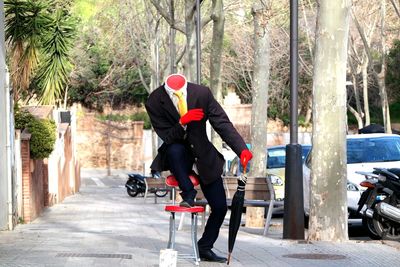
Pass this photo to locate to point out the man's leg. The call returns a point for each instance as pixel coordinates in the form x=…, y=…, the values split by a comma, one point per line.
x=180, y=163
x=215, y=195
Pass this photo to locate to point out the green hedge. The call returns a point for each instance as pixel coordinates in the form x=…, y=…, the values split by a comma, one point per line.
x=141, y=116
x=43, y=133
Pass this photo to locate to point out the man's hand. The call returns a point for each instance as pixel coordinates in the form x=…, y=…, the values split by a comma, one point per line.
x=245, y=157
x=192, y=115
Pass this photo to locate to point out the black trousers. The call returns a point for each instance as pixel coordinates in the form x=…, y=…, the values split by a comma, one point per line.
x=181, y=161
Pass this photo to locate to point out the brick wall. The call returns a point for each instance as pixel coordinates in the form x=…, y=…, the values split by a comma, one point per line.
x=34, y=172
x=46, y=184
x=96, y=141
x=26, y=177
x=38, y=174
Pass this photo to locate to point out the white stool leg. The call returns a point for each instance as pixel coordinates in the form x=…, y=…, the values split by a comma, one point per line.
x=181, y=221
x=194, y=238
x=171, y=240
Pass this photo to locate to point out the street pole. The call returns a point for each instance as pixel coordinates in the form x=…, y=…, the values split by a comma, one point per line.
x=293, y=219
x=198, y=43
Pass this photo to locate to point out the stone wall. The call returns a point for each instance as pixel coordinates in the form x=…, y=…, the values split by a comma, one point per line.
x=100, y=143
x=278, y=133
x=240, y=116
x=64, y=168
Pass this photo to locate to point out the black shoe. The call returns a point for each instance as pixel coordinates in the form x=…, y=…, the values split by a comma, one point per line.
x=186, y=204
x=209, y=255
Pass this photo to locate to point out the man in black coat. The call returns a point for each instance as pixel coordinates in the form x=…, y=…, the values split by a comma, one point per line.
x=180, y=121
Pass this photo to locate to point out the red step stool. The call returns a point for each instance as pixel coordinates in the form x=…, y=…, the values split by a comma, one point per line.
x=172, y=182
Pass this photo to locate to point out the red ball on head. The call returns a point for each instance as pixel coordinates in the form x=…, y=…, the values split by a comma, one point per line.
x=175, y=81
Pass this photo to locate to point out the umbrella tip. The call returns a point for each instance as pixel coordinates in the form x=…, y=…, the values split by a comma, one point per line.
x=229, y=258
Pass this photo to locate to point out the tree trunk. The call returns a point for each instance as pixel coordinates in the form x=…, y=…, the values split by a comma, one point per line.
x=190, y=33
x=307, y=119
x=154, y=83
x=364, y=70
x=218, y=18
x=381, y=77
x=260, y=88
x=328, y=198
x=172, y=34
x=385, y=103
x=357, y=113
x=216, y=48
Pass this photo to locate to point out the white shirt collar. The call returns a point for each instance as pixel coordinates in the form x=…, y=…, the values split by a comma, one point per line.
x=171, y=92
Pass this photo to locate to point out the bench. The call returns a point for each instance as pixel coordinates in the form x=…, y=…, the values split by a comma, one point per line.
x=259, y=192
x=154, y=185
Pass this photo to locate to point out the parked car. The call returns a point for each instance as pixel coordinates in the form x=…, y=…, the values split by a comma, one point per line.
x=276, y=158
x=364, y=152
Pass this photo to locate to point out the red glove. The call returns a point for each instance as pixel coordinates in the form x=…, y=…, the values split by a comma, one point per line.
x=245, y=157
x=192, y=115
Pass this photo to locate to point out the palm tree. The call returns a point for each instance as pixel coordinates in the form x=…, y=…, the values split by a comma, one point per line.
x=53, y=72
x=24, y=23
x=39, y=40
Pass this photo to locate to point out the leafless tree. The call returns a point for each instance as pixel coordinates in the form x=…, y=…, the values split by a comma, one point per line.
x=380, y=74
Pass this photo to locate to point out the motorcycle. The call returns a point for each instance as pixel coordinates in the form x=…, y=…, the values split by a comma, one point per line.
x=379, y=204
x=137, y=184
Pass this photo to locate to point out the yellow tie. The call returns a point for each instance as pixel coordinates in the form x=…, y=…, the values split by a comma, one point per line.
x=182, y=106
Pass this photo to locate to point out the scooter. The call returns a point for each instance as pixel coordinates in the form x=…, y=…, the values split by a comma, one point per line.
x=379, y=205
x=137, y=184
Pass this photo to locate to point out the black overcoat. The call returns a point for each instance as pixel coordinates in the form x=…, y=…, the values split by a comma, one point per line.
x=164, y=118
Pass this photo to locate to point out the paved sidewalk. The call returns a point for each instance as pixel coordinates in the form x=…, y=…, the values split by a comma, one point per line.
x=103, y=226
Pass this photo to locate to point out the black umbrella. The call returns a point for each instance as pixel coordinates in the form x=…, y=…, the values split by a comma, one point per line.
x=236, y=213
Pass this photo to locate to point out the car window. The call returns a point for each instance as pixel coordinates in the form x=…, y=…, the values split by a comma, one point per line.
x=276, y=158
x=373, y=149
x=377, y=149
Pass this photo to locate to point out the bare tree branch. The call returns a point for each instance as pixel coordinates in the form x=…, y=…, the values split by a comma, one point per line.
x=142, y=80
x=395, y=8
x=163, y=12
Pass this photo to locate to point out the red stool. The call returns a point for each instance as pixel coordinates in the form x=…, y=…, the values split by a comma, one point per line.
x=171, y=181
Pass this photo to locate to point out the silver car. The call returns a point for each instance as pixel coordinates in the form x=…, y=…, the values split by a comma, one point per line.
x=364, y=152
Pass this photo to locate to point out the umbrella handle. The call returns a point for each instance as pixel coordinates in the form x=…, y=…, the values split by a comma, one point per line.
x=245, y=169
